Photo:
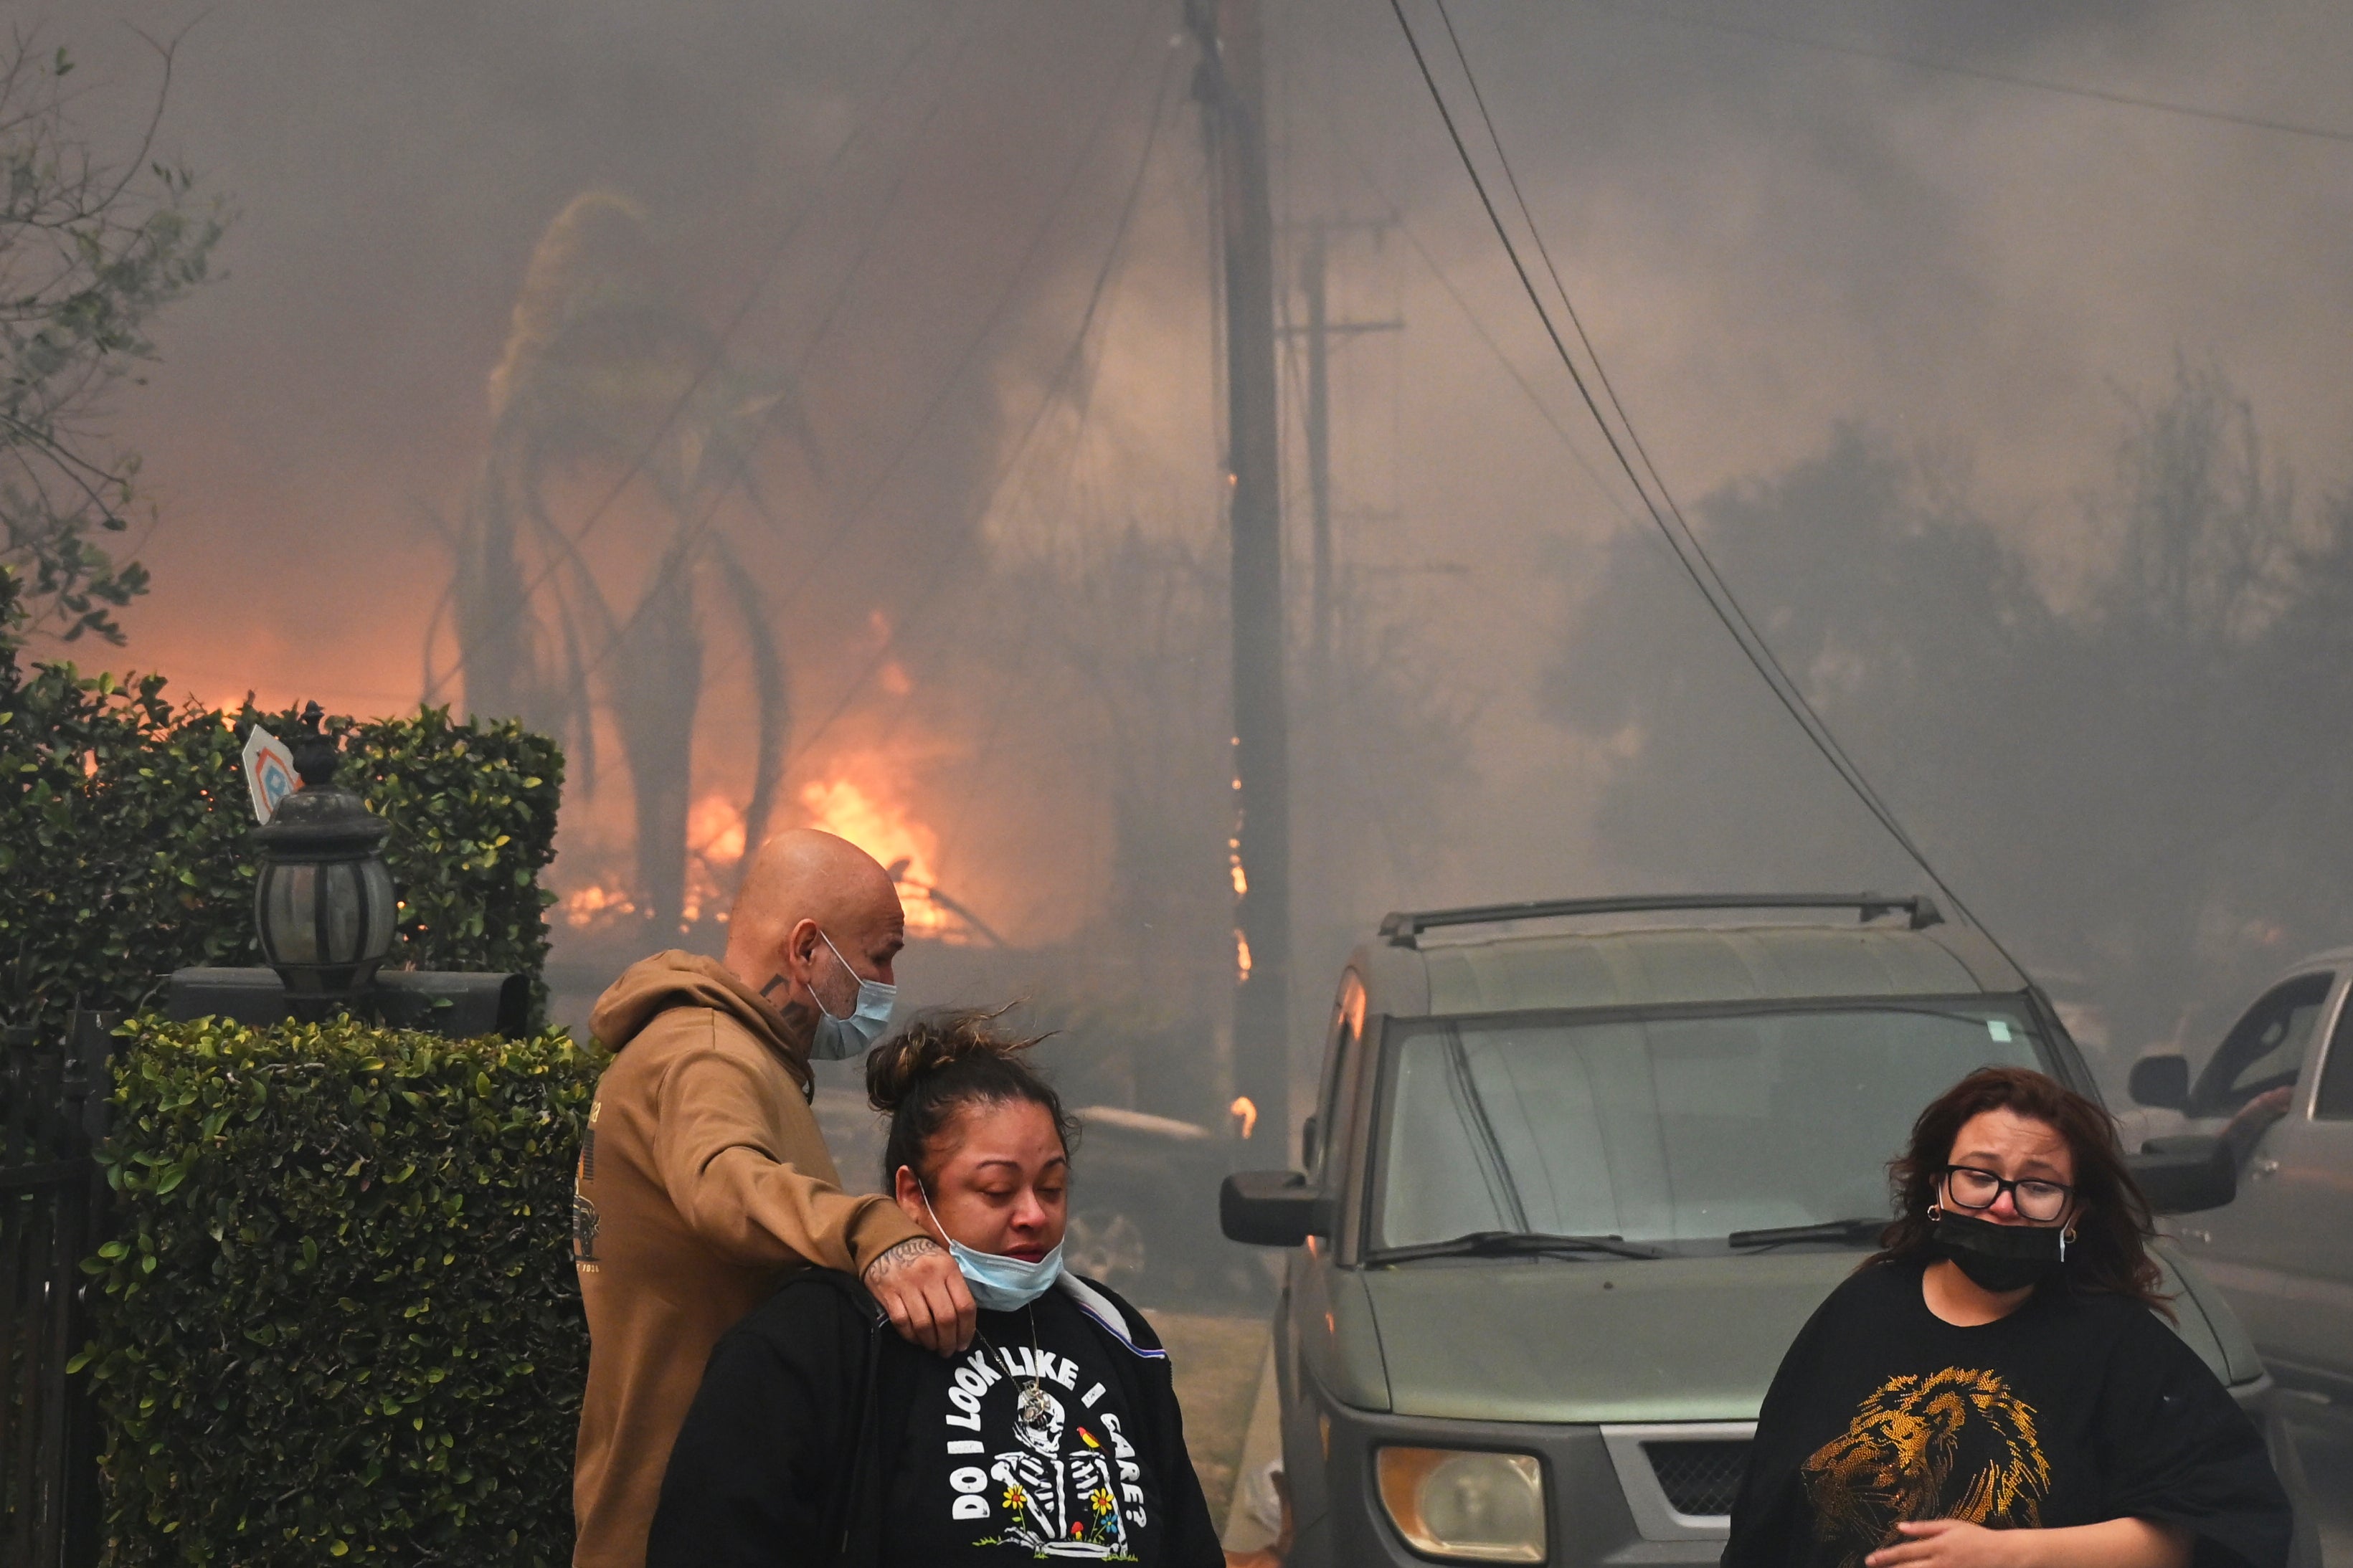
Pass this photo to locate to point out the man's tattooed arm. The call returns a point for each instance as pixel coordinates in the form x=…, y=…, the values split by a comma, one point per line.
x=895, y=1260
x=920, y=1288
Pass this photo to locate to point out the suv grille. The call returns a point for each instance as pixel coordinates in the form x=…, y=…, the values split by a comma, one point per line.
x=1699, y=1477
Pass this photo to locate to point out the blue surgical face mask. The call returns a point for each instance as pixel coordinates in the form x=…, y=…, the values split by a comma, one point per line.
x=852, y=1034
x=999, y=1283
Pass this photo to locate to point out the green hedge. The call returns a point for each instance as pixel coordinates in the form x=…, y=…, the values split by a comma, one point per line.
x=122, y=840
x=340, y=1320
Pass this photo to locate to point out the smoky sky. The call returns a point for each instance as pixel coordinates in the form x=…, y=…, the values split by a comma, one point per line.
x=1766, y=236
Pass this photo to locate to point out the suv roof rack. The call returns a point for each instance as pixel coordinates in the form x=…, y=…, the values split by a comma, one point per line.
x=1402, y=927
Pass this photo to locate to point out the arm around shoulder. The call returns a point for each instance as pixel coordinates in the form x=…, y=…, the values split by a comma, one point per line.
x=722, y=1149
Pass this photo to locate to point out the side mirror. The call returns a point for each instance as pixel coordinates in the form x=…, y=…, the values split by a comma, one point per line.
x=2185, y=1175
x=1272, y=1208
x=2162, y=1082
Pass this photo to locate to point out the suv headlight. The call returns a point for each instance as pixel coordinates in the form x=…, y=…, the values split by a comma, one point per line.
x=1465, y=1504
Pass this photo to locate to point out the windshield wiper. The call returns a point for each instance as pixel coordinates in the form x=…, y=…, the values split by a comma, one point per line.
x=1852, y=1231
x=1514, y=1243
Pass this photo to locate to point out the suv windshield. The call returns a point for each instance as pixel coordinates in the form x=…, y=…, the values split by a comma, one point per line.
x=1665, y=1128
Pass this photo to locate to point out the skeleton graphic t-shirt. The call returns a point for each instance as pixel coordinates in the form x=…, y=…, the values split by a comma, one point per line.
x=821, y=1440
x=1022, y=1448
x=2074, y=1409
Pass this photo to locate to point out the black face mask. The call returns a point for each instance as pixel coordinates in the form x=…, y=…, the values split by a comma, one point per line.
x=2001, y=1258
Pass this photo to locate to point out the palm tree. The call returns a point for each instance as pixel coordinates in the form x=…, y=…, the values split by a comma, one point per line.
x=606, y=375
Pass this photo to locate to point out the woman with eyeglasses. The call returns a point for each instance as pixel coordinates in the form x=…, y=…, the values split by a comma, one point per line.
x=1994, y=1386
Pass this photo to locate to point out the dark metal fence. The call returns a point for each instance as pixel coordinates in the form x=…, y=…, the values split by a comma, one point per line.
x=52, y=1111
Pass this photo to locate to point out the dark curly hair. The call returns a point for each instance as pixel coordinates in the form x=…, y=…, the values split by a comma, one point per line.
x=2111, y=1224
x=943, y=1061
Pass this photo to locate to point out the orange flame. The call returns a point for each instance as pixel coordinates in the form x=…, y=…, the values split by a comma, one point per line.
x=715, y=830
x=862, y=813
x=586, y=906
x=715, y=843
x=1244, y=1110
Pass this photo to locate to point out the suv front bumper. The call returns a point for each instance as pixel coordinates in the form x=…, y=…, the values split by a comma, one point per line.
x=1603, y=1502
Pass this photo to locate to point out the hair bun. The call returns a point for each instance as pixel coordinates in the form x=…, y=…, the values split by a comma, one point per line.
x=932, y=1043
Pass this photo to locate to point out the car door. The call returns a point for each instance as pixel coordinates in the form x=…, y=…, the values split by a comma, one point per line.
x=1305, y=1349
x=2306, y=1163
x=2251, y=1248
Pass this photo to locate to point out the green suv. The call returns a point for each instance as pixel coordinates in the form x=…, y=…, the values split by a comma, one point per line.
x=1577, y=1174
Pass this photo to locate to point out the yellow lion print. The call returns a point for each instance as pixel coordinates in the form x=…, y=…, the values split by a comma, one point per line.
x=1954, y=1444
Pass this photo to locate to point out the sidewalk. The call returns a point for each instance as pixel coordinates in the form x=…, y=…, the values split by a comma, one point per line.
x=1250, y=1520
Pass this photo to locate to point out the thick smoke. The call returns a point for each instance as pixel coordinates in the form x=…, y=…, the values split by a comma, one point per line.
x=880, y=342
x=1807, y=263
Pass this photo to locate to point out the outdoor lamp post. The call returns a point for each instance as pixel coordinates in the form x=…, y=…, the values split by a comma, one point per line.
x=322, y=898
x=324, y=907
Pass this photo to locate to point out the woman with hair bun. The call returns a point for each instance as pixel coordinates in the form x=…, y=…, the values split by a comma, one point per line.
x=1992, y=1389
x=821, y=1437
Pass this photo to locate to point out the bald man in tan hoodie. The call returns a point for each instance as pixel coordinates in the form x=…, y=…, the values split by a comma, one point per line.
x=703, y=1178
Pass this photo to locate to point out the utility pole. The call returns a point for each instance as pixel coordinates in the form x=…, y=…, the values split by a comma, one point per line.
x=1319, y=330
x=1231, y=85
x=1319, y=464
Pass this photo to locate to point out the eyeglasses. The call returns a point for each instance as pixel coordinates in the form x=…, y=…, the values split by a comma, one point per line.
x=1971, y=1188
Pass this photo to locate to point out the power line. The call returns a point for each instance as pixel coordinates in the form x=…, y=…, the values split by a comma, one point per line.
x=1114, y=256
x=1045, y=404
x=681, y=555
x=1685, y=541
x=725, y=335
x=881, y=218
x=1479, y=328
x=1855, y=778
x=1979, y=73
x=1688, y=551
x=1469, y=314
x=1010, y=683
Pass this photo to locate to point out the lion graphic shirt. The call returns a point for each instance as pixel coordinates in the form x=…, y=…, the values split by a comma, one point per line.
x=2074, y=1409
x=1023, y=1448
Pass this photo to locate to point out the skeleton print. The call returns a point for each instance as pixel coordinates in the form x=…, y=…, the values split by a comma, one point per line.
x=1038, y=1460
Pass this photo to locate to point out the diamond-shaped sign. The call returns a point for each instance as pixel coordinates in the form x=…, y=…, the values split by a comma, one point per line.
x=268, y=771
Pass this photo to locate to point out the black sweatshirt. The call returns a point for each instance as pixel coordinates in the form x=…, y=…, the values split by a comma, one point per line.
x=819, y=1436
x=2076, y=1409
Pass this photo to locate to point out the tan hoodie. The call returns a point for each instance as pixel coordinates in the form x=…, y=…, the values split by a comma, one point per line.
x=703, y=1180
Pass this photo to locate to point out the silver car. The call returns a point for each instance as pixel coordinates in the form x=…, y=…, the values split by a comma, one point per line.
x=2279, y=1091
x=1570, y=1192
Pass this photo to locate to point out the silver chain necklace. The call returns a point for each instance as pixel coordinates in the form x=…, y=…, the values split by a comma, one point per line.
x=1033, y=1407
